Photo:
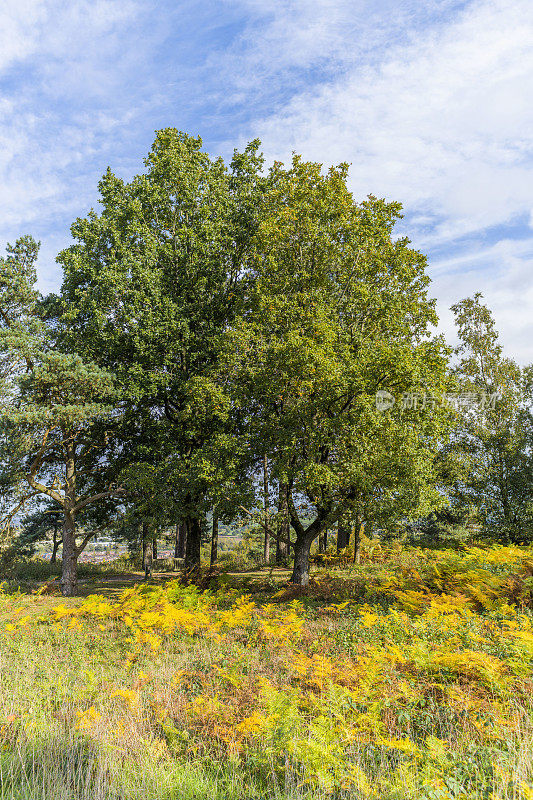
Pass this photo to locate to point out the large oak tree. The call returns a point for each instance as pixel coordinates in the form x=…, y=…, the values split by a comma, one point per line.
x=338, y=309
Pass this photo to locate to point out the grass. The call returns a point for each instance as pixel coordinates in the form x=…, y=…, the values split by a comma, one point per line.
x=406, y=677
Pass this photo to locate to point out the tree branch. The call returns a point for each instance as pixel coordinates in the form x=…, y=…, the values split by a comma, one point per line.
x=95, y=497
x=30, y=477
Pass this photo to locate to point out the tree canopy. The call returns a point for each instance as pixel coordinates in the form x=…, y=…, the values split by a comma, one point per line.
x=220, y=345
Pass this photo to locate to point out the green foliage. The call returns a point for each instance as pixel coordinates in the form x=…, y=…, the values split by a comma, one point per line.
x=149, y=285
x=491, y=449
x=338, y=310
x=214, y=315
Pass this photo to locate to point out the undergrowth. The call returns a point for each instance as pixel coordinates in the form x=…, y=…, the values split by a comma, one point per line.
x=406, y=677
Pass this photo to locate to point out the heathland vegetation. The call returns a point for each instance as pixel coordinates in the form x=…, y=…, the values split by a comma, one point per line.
x=320, y=511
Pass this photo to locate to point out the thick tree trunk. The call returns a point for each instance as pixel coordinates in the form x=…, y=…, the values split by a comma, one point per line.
x=55, y=546
x=194, y=543
x=181, y=536
x=147, y=550
x=343, y=535
x=266, y=547
x=69, y=562
x=283, y=530
x=302, y=550
x=214, y=539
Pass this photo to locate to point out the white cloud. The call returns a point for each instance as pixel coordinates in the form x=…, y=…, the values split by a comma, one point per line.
x=430, y=101
x=442, y=124
x=502, y=273
x=63, y=67
x=439, y=118
x=305, y=33
x=19, y=20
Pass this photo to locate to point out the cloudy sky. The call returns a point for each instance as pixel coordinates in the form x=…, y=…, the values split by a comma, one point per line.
x=429, y=100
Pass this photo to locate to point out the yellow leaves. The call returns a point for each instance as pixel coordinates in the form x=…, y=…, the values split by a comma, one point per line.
x=499, y=556
x=357, y=684
x=7, y=727
x=151, y=640
x=446, y=604
x=130, y=698
x=358, y=780
x=178, y=677
x=436, y=748
x=142, y=680
x=281, y=628
x=413, y=600
x=250, y=726
x=523, y=641
x=62, y=611
x=471, y=663
x=205, y=707
x=394, y=654
x=233, y=680
x=96, y=606
x=401, y=745
x=239, y=615
x=510, y=785
x=338, y=608
x=315, y=672
x=17, y=625
x=369, y=619
x=87, y=720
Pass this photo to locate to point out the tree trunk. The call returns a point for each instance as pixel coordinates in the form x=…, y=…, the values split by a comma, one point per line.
x=181, y=537
x=321, y=547
x=69, y=561
x=343, y=535
x=177, y=540
x=214, y=539
x=266, y=549
x=55, y=546
x=283, y=530
x=154, y=546
x=147, y=550
x=302, y=551
x=194, y=543
x=358, y=533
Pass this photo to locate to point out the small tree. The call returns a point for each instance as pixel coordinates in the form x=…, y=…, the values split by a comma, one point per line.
x=59, y=445
x=493, y=442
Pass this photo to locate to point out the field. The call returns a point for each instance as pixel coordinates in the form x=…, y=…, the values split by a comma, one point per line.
x=406, y=677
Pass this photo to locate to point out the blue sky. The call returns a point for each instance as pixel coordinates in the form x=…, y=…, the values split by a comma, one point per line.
x=429, y=100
